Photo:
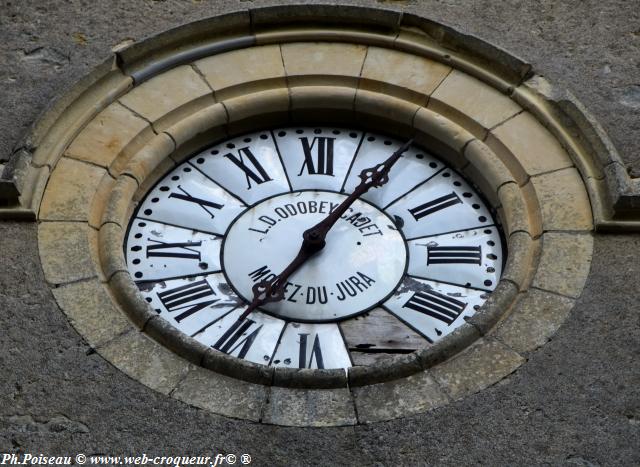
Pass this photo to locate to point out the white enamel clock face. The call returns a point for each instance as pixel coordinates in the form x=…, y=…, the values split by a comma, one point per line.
x=402, y=267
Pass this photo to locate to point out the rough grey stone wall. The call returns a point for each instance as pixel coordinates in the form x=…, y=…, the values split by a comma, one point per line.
x=575, y=402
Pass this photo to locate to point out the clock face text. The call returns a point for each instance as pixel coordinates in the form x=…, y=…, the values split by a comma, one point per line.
x=401, y=268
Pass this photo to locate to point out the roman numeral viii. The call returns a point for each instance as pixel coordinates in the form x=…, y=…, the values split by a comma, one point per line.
x=253, y=170
x=454, y=255
x=436, y=305
x=203, y=203
x=188, y=299
x=183, y=250
x=319, y=162
x=434, y=206
x=316, y=352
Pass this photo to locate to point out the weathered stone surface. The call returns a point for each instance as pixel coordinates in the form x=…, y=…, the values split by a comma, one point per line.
x=222, y=395
x=152, y=155
x=168, y=96
x=416, y=76
x=469, y=101
x=534, y=147
x=486, y=169
x=257, y=104
x=522, y=259
x=261, y=66
x=534, y=319
x=114, y=130
x=399, y=398
x=385, y=106
x=118, y=204
x=563, y=200
x=564, y=263
x=482, y=365
x=91, y=311
x=519, y=212
x=146, y=361
x=70, y=190
x=318, y=407
x=306, y=62
x=65, y=252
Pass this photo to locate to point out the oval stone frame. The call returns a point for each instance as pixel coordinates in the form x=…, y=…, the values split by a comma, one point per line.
x=109, y=139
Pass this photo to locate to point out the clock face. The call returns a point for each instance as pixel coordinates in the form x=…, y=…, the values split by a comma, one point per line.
x=402, y=267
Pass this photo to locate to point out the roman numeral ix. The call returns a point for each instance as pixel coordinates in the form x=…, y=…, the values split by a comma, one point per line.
x=434, y=206
x=203, y=203
x=437, y=305
x=183, y=250
x=320, y=163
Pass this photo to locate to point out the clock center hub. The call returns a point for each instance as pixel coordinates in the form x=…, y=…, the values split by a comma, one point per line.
x=362, y=263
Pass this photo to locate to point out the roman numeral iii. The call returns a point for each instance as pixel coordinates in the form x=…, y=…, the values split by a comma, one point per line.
x=188, y=299
x=256, y=172
x=454, y=255
x=320, y=162
x=437, y=305
x=434, y=206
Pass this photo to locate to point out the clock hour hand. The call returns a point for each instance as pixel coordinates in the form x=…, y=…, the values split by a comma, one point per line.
x=313, y=239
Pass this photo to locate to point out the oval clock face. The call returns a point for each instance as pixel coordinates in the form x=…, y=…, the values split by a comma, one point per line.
x=401, y=268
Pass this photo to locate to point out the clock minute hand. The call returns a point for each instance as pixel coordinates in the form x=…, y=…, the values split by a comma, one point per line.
x=313, y=239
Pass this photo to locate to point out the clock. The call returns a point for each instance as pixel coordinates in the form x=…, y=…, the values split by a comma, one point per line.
x=316, y=215
x=406, y=264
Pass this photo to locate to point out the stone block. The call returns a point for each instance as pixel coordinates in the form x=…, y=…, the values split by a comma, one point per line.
x=404, y=75
x=70, y=190
x=65, y=252
x=471, y=103
x=259, y=68
x=563, y=200
x=310, y=63
x=170, y=96
x=564, y=263
x=535, y=148
x=399, y=398
x=222, y=395
x=91, y=311
x=146, y=361
x=533, y=320
x=310, y=407
x=478, y=367
x=113, y=131
x=486, y=169
x=519, y=213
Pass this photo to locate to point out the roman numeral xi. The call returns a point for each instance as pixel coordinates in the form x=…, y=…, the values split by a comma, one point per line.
x=252, y=170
